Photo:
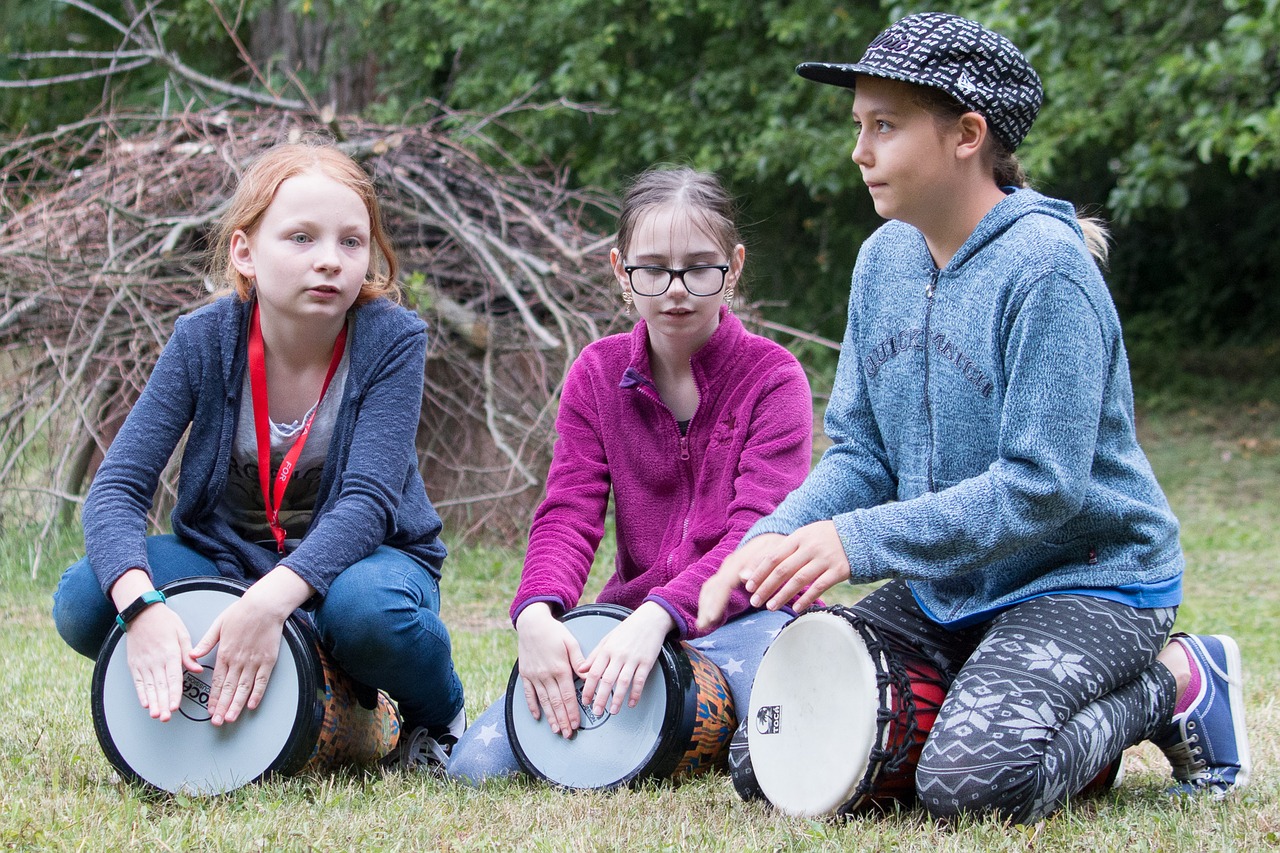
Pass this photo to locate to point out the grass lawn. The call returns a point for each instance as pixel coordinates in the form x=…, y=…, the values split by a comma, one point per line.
x=1222, y=473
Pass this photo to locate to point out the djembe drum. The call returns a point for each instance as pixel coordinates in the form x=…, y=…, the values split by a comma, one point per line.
x=310, y=718
x=680, y=727
x=837, y=718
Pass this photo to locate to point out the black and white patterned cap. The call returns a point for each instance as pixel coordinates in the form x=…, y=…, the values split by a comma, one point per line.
x=979, y=68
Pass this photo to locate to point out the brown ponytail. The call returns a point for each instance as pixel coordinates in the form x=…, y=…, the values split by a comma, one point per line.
x=1006, y=168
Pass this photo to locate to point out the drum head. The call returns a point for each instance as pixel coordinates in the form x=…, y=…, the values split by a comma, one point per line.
x=811, y=722
x=188, y=753
x=606, y=751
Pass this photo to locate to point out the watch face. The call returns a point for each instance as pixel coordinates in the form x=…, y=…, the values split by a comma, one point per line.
x=142, y=602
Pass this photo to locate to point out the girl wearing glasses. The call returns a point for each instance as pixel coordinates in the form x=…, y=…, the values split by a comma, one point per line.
x=697, y=427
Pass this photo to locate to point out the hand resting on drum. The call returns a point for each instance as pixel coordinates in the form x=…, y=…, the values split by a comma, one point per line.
x=625, y=657
x=247, y=635
x=774, y=568
x=550, y=660
x=548, y=656
x=158, y=646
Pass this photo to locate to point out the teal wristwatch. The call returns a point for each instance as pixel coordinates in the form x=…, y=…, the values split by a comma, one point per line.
x=141, y=603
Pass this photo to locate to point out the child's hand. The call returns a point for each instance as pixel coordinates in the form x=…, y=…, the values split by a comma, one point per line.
x=624, y=658
x=158, y=647
x=248, y=638
x=548, y=656
x=716, y=591
x=812, y=557
x=248, y=643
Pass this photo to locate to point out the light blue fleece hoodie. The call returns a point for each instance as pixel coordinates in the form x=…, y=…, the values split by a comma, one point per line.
x=982, y=420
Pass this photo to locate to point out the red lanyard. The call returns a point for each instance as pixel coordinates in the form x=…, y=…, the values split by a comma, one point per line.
x=262, y=423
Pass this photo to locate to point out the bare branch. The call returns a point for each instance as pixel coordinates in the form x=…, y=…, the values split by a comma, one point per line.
x=798, y=333
x=151, y=49
x=75, y=77
x=176, y=65
x=90, y=9
x=100, y=259
x=82, y=54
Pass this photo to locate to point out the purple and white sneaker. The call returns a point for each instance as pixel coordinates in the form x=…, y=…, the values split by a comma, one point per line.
x=1206, y=743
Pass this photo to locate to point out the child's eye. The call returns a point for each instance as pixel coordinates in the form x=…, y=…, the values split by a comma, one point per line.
x=883, y=126
x=298, y=238
x=353, y=242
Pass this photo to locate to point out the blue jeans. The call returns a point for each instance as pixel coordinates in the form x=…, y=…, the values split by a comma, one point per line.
x=380, y=622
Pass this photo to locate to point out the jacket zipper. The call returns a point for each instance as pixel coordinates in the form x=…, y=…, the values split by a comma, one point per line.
x=649, y=391
x=928, y=409
x=684, y=457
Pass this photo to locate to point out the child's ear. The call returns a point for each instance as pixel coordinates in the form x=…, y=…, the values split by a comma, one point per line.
x=241, y=254
x=737, y=259
x=972, y=135
x=615, y=263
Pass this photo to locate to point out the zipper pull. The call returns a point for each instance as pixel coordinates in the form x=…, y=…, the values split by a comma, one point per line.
x=933, y=282
x=684, y=448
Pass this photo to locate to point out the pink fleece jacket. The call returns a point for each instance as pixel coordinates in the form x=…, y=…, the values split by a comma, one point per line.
x=682, y=503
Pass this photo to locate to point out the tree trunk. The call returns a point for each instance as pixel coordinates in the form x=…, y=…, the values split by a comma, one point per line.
x=317, y=46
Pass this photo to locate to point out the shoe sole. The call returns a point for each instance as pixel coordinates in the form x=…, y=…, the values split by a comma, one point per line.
x=1235, y=700
x=1118, y=779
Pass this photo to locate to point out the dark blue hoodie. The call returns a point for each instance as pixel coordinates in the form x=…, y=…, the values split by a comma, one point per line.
x=370, y=494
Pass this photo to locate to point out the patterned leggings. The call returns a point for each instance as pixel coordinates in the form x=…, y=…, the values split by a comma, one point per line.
x=1042, y=697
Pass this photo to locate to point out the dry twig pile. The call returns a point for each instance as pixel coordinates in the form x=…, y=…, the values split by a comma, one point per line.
x=102, y=247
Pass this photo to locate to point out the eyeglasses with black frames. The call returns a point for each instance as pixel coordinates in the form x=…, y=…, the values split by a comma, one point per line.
x=699, y=279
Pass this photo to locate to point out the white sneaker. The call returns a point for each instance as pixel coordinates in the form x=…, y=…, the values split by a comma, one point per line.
x=427, y=748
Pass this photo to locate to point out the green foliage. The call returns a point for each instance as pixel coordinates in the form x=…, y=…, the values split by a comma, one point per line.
x=50, y=26
x=1156, y=111
x=25, y=27
x=1164, y=88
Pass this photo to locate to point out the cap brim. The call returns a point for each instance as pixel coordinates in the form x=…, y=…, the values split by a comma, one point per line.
x=846, y=74
x=833, y=73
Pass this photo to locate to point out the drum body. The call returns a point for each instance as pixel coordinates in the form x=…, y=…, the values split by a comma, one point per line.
x=309, y=704
x=680, y=727
x=837, y=719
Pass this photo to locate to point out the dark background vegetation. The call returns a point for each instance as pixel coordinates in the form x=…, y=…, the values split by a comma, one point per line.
x=1163, y=117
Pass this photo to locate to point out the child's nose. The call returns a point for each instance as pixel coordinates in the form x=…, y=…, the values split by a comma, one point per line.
x=329, y=258
x=861, y=154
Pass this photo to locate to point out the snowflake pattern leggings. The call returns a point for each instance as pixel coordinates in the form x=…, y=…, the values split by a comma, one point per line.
x=1042, y=698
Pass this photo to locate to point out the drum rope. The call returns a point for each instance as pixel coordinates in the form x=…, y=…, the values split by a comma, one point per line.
x=889, y=754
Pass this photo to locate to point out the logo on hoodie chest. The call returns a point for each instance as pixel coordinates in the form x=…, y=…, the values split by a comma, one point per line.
x=913, y=340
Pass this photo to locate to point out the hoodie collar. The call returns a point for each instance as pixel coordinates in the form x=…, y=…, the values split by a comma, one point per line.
x=1016, y=205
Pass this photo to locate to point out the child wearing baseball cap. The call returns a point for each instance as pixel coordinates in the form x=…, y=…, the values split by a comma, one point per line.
x=984, y=459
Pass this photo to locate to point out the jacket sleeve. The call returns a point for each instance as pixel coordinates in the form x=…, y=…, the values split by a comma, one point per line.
x=116, y=507
x=569, y=523
x=370, y=483
x=1057, y=361
x=854, y=471
x=774, y=460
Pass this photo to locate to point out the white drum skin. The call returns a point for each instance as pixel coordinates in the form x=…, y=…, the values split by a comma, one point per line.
x=680, y=727
x=811, y=722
